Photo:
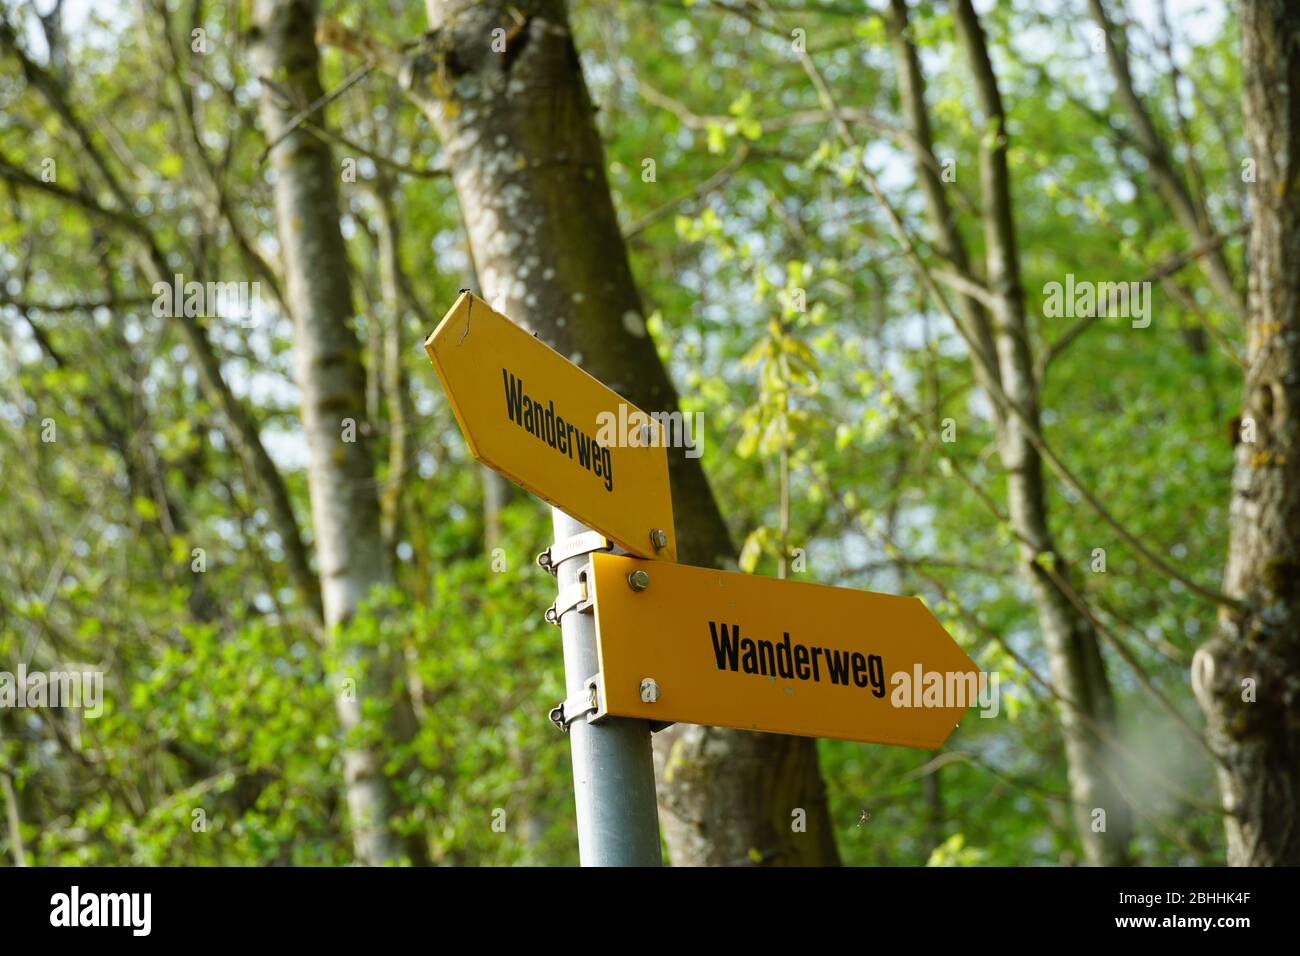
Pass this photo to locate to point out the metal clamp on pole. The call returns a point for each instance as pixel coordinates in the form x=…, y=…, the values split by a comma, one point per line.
x=576, y=707
x=572, y=598
x=571, y=547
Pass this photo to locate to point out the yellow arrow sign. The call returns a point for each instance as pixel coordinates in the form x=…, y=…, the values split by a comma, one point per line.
x=541, y=421
x=736, y=650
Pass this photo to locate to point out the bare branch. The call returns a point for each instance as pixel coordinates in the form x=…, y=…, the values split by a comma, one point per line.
x=1162, y=272
x=320, y=103
x=714, y=182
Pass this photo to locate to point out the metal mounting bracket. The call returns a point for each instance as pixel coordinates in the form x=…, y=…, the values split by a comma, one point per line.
x=572, y=598
x=578, y=706
x=571, y=547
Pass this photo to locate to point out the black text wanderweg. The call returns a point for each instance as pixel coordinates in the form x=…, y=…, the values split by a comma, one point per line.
x=542, y=423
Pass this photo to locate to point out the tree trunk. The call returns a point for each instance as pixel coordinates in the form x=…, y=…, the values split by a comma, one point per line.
x=1247, y=677
x=1190, y=213
x=529, y=169
x=948, y=240
x=1074, y=654
x=397, y=394
x=327, y=365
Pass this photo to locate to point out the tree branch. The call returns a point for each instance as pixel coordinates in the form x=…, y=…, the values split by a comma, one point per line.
x=241, y=432
x=714, y=182
x=1163, y=271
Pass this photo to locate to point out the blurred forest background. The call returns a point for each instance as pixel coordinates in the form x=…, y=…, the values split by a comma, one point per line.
x=836, y=221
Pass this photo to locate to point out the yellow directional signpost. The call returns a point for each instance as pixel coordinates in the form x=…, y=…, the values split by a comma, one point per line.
x=699, y=646
x=537, y=418
x=651, y=642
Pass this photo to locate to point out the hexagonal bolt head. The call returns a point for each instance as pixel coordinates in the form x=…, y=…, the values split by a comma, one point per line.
x=638, y=580
x=659, y=539
x=649, y=690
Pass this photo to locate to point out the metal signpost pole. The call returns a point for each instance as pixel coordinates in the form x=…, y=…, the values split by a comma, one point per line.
x=613, y=769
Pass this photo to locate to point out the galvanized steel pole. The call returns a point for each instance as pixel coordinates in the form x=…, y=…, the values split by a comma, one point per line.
x=613, y=768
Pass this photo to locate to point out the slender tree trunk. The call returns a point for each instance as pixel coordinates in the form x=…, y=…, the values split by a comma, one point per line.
x=1189, y=213
x=496, y=493
x=327, y=365
x=397, y=394
x=948, y=240
x=13, y=817
x=1247, y=677
x=1074, y=654
x=936, y=815
x=529, y=170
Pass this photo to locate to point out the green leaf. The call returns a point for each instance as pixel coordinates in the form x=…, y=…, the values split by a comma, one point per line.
x=145, y=508
x=752, y=550
x=716, y=138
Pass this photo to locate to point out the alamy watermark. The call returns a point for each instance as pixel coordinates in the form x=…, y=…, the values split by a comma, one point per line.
x=1084, y=299
x=922, y=688
x=633, y=428
x=76, y=688
x=232, y=300
x=133, y=911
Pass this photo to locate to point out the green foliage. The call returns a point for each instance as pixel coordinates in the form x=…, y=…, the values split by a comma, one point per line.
x=786, y=313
